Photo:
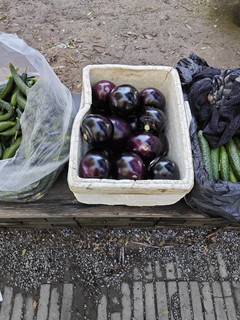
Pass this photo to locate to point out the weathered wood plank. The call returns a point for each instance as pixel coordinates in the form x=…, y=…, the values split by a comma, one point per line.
x=59, y=207
x=60, y=202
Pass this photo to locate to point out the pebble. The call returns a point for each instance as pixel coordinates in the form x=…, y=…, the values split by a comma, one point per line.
x=98, y=257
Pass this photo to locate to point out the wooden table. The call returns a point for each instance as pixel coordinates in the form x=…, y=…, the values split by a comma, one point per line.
x=59, y=208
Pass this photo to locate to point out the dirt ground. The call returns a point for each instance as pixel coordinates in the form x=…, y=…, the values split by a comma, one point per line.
x=72, y=34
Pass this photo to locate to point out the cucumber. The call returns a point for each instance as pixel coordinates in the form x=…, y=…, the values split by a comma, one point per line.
x=234, y=157
x=232, y=176
x=206, y=153
x=224, y=164
x=215, y=153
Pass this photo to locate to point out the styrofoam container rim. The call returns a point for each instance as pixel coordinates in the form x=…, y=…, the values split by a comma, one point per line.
x=126, y=188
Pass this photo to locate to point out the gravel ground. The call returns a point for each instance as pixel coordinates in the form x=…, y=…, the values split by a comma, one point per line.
x=72, y=34
x=97, y=257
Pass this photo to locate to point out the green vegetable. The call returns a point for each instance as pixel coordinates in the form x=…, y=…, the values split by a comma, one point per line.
x=24, y=77
x=31, y=80
x=7, y=89
x=30, y=83
x=232, y=176
x=21, y=101
x=206, y=153
x=215, y=162
x=18, y=80
x=12, y=104
x=234, y=157
x=15, y=130
x=223, y=164
x=4, y=125
x=10, y=151
x=10, y=110
x=13, y=100
x=1, y=88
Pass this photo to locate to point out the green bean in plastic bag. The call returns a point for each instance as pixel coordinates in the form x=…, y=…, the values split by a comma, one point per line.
x=46, y=125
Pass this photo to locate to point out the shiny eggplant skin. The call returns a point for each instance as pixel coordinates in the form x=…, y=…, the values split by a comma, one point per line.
x=124, y=101
x=163, y=169
x=96, y=129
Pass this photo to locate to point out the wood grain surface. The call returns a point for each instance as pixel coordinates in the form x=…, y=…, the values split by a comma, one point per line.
x=59, y=207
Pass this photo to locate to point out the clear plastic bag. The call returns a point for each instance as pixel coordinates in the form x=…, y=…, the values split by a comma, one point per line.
x=46, y=125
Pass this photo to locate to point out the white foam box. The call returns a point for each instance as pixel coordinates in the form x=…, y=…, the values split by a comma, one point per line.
x=139, y=192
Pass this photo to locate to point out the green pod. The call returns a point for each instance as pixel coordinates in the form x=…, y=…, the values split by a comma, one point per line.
x=206, y=153
x=10, y=110
x=1, y=88
x=10, y=151
x=18, y=80
x=13, y=100
x=31, y=80
x=7, y=89
x=15, y=130
x=30, y=83
x=21, y=101
x=4, y=125
x=24, y=77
